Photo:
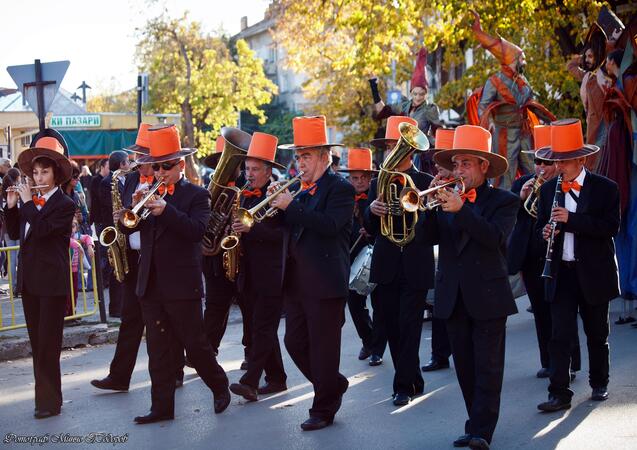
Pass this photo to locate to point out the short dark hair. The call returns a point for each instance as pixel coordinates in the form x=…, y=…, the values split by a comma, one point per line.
x=115, y=159
x=102, y=163
x=616, y=56
x=45, y=163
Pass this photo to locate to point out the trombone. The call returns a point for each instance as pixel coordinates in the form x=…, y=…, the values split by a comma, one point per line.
x=131, y=217
x=413, y=200
x=254, y=215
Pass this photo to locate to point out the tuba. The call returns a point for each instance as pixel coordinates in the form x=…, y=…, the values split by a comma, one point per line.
x=530, y=204
x=222, y=199
x=399, y=225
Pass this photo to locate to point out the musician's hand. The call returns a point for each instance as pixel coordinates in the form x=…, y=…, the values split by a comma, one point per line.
x=379, y=208
x=546, y=232
x=283, y=200
x=451, y=201
x=527, y=188
x=273, y=187
x=363, y=232
x=240, y=227
x=559, y=214
x=156, y=206
x=139, y=194
x=12, y=199
x=24, y=191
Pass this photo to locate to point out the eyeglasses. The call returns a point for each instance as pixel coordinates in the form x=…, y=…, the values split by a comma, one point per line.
x=539, y=162
x=165, y=165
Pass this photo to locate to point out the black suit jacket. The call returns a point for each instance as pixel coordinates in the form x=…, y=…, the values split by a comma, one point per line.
x=106, y=201
x=358, y=221
x=95, y=214
x=43, y=265
x=130, y=186
x=415, y=260
x=317, y=239
x=170, y=262
x=594, y=224
x=261, y=265
x=472, y=254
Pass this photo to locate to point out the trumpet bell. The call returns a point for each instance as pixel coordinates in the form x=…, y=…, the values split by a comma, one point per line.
x=246, y=217
x=129, y=219
x=409, y=199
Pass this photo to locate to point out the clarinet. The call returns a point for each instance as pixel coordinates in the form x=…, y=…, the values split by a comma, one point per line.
x=548, y=259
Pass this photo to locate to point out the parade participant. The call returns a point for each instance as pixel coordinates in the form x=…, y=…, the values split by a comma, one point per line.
x=260, y=278
x=371, y=331
x=473, y=294
x=440, y=347
x=169, y=279
x=583, y=272
x=403, y=274
x=526, y=251
x=95, y=215
x=506, y=100
x=43, y=222
x=131, y=328
x=316, y=270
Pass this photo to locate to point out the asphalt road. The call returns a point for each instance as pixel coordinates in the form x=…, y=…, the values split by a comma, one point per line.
x=367, y=419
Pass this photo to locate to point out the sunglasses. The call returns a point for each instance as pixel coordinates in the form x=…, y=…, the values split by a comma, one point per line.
x=539, y=162
x=165, y=165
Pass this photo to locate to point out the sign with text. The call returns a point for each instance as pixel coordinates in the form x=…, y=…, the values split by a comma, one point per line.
x=83, y=121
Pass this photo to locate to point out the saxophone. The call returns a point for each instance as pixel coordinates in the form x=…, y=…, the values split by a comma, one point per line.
x=231, y=244
x=112, y=238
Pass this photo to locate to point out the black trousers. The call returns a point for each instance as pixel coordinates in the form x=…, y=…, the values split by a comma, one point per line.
x=45, y=324
x=478, y=356
x=568, y=300
x=265, y=352
x=172, y=326
x=440, y=346
x=402, y=309
x=371, y=330
x=115, y=296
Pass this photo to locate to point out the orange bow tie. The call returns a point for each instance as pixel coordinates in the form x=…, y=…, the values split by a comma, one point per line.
x=361, y=196
x=38, y=200
x=309, y=188
x=254, y=193
x=170, y=190
x=470, y=195
x=568, y=185
x=148, y=180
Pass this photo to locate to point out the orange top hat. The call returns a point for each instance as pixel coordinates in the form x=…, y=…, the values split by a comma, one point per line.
x=46, y=146
x=444, y=139
x=567, y=142
x=392, y=133
x=263, y=147
x=309, y=132
x=503, y=50
x=142, y=142
x=212, y=159
x=475, y=141
x=359, y=159
x=164, y=145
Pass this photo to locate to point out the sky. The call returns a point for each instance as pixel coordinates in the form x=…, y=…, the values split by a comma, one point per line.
x=98, y=36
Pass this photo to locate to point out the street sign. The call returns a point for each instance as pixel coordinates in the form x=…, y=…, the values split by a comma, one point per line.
x=79, y=121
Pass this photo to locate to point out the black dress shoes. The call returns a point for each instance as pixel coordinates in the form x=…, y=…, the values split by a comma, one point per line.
x=316, y=423
x=477, y=443
x=543, y=373
x=222, y=401
x=375, y=360
x=599, y=394
x=109, y=384
x=462, y=441
x=401, y=399
x=364, y=354
x=573, y=375
x=272, y=388
x=153, y=417
x=435, y=364
x=554, y=404
x=179, y=382
x=244, y=365
x=245, y=391
x=45, y=413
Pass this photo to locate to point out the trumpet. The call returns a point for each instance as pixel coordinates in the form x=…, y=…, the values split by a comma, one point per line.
x=530, y=204
x=131, y=217
x=413, y=200
x=254, y=215
x=16, y=187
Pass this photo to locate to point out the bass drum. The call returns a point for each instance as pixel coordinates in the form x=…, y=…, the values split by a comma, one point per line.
x=360, y=271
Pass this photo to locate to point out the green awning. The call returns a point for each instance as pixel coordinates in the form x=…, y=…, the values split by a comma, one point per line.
x=97, y=143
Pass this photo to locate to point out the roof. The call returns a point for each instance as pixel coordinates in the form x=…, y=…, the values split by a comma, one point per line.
x=257, y=28
x=62, y=103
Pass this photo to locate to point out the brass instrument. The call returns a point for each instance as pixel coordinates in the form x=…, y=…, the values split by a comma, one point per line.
x=255, y=214
x=222, y=201
x=414, y=200
x=530, y=204
x=548, y=258
x=230, y=243
x=399, y=225
x=111, y=237
x=131, y=217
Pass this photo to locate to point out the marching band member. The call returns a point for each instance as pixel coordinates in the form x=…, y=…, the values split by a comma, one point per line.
x=261, y=275
x=583, y=269
x=403, y=275
x=473, y=294
x=317, y=268
x=43, y=222
x=169, y=280
x=371, y=331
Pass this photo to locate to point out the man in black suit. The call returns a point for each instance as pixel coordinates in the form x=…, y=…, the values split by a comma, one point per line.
x=169, y=280
x=403, y=274
x=261, y=275
x=117, y=160
x=317, y=268
x=583, y=270
x=473, y=293
x=95, y=214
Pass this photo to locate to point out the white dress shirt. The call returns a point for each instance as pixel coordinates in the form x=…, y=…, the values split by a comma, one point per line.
x=568, y=250
x=46, y=196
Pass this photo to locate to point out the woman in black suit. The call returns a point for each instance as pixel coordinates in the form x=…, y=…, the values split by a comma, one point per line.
x=43, y=222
